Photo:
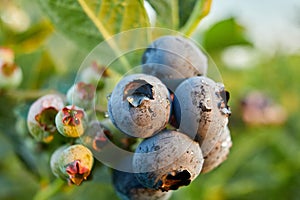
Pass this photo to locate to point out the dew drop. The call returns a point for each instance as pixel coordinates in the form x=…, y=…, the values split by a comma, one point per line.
x=225, y=111
x=224, y=144
x=108, y=96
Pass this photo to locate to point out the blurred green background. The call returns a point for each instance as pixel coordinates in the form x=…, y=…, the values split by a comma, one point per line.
x=254, y=44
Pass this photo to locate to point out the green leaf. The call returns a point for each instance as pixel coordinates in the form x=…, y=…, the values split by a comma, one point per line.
x=200, y=10
x=29, y=40
x=167, y=13
x=185, y=8
x=37, y=68
x=223, y=34
x=88, y=23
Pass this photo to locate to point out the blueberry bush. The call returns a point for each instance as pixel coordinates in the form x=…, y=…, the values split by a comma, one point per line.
x=61, y=61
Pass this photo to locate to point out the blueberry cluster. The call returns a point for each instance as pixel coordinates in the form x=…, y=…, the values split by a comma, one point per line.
x=180, y=113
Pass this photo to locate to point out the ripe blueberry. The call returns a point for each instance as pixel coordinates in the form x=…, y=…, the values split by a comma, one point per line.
x=219, y=153
x=201, y=110
x=172, y=59
x=167, y=161
x=139, y=105
x=129, y=188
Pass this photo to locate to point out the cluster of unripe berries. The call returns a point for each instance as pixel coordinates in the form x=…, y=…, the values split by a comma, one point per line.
x=69, y=115
x=51, y=115
x=180, y=114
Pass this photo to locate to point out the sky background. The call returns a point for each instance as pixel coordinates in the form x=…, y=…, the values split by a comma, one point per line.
x=271, y=24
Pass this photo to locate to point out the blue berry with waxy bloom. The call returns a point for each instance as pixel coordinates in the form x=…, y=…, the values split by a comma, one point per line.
x=41, y=117
x=71, y=121
x=173, y=59
x=140, y=105
x=128, y=188
x=201, y=110
x=167, y=161
x=219, y=152
x=72, y=163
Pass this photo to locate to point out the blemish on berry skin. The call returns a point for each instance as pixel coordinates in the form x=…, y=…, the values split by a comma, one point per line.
x=8, y=69
x=77, y=173
x=174, y=180
x=71, y=121
x=139, y=105
x=41, y=117
x=46, y=119
x=138, y=91
x=86, y=91
x=204, y=108
x=72, y=117
x=99, y=142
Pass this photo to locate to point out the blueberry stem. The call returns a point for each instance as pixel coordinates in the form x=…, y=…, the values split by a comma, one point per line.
x=26, y=94
x=50, y=190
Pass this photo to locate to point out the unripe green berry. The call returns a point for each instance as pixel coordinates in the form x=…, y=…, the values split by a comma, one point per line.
x=7, y=55
x=93, y=74
x=55, y=161
x=10, y=75
x=71, y=121
x=41, y=117
x=96, y=136
x=81, y=94
x=72, y=163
